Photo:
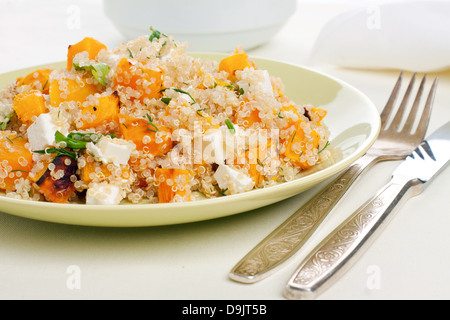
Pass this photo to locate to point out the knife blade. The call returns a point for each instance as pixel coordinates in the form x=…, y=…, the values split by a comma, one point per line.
x=342, y=248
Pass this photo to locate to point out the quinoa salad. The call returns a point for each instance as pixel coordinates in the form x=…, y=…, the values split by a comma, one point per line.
x=145, y=122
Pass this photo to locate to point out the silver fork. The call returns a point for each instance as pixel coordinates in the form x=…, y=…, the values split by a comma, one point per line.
x=397, y=139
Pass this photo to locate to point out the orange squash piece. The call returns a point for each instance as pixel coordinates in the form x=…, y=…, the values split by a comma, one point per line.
x=171, y=183
x=37, y=80
x=235, y=62
x=247, y=115
x=318, y=115
x=297, y=146
x=105, y=111
x=15, y=159
x=73, y=90
x=258, y=158
x=145, y=83
x=59, y=189
x=29, y=104
x=89, y=172
x=91, y=45
x=144, y=135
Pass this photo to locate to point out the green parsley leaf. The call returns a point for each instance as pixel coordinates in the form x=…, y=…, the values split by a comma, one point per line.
x=166, y=100
x=155, y=34
x=98, y=70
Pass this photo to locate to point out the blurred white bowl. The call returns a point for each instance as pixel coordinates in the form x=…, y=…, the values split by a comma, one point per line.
x=208, y=25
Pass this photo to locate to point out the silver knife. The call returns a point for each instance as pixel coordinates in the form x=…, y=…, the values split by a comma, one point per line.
x=340, y=250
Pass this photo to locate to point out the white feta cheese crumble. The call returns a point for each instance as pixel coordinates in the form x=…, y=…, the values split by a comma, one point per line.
x=233, y=180
x=234, y=143
x=103, y=194
x=41, y=132
x=213, y=147
x=108, y=150
x=266, y=85
x=251, y=87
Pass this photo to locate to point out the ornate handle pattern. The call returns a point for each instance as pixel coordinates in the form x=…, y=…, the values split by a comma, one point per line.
x=347, y=242
x=287, y=239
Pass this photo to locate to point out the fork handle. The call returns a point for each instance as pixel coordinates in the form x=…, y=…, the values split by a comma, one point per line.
x=341, y=249
x=281, y=245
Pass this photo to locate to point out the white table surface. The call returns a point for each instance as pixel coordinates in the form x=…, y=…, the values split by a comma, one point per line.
x=411, y=258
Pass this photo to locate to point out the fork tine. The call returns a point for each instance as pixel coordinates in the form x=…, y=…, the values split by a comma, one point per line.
x=425, y=118
x=415, y=108
x=395, y=124
x=389, y=108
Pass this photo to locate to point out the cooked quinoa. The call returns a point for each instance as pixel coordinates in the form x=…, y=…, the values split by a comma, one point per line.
x=147, y=122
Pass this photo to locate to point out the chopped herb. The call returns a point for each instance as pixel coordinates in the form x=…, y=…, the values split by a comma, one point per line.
x=150, y=122
x=130, y=53
x=166, y=100
x=180, y=91
x=295, y=133
x=78, y=140
x=301, y=153
x=155, y=34
x=88, y=136
x=259, y=162
x=98, y=70
x=326, y=146
x=279, y=115
x=239, y=91
x=70, y=143
x=199, y=110
x=222, y=192
x=58, y=152
x=8, y=139
x=18, y=170
x=4, y=124
x=45, y=84
x=230, y=126
x=124, y=125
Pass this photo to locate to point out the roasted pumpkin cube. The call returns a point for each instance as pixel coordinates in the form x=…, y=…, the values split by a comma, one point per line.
x=261, y=161
x=37, y=80
x=173, y=185
x=70, y=89
x=148, y=137
x=15, y=159
x=29, y=104
x=145, y=83
x=100, y=172
x=235, y=62
x=318, y=115
x=247, y=114
x=95, y=114
x=90, y=45
x=300, y=147
x=57, y=183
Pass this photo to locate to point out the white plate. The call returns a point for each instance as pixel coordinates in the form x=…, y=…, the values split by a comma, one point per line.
x=353, y=120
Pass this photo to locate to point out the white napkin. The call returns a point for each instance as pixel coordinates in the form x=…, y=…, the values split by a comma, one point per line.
x=407, y=35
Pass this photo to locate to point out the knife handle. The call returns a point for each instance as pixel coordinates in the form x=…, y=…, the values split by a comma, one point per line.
x=280, y=245
x=341, y=249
